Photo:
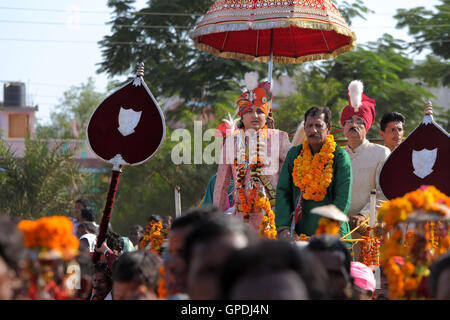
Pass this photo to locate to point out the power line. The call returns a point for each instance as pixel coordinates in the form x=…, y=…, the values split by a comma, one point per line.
x=185, y=14
x=98, y=24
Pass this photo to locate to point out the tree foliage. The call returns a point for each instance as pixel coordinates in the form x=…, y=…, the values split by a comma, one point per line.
x=41, y=183
x=72, y=114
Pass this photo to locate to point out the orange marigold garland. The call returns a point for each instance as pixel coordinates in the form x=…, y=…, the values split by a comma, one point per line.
x=313, y=174
x=162, y=291
x=53, y=245
x=267, y=224
x=154, y=235
x=50, y=235
x=255, y=170
x=417, y=248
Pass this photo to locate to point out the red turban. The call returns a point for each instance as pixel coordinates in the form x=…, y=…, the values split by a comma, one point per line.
x=366, y=111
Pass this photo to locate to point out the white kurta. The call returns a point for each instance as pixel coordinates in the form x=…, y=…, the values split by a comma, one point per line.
x=367, y=160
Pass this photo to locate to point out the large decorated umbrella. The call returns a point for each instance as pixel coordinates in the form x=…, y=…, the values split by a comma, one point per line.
x=280, y=31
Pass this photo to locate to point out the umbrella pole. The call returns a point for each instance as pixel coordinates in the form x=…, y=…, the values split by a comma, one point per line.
x=269, y=73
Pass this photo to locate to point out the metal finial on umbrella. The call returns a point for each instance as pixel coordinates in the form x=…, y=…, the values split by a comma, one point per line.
x=140, y=70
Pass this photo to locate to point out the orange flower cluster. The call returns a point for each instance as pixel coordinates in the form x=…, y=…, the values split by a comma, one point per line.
x=303, y=237
x=50, y=234
x=255, y=170
x=313, y=174
x=154, y=234
x=417, y=249
x=267, y=224
x=162, y=291
x=328, y=226
x=370, y=251
x=397, y=210
x=402, y=281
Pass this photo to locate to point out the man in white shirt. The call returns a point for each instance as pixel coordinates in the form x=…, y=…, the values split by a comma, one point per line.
x=366, y=157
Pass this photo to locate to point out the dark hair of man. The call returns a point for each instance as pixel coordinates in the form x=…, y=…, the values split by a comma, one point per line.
x=138, y=267
x=268, y=257
x=137, y=227
x=214, y=228
x=438, y=266
x=12, y=250
x=114, y=241
x=89, y=226
x=102, y=267
x=391, y=117
x=87, y=214
x=195, y=216
x=317, y=111
x=327, y=242
x=83, y=202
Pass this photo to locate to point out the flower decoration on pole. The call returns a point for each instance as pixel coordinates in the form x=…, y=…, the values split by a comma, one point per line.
x=52, y=248
x=417, y=226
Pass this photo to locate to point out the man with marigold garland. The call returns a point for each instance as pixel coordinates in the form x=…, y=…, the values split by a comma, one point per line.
x=315, y=173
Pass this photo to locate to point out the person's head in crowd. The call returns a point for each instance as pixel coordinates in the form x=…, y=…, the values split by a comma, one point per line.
x=102, y=281
x=336, y=258
x=114, y=242
x=272, y=270
x=175, y=266
x=167, y=221
x=317, y=126
x=391, y=126
x=12, y=259
x=155, y=218
x=84, y=261
x=363, y=280
x=87, y=215
x=86, y=227
x=135, y=276
x=80, y=203
x=135, y=234
x=207, y=247
x=439, y=280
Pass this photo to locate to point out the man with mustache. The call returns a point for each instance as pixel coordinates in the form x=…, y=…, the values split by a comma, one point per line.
x=392, y=129
x=366, y=157
x=315, y=173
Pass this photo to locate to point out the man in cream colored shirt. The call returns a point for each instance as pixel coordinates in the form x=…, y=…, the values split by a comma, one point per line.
x=366, y=158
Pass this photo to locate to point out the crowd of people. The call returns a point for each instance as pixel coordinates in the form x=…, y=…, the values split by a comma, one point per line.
x=207, y=256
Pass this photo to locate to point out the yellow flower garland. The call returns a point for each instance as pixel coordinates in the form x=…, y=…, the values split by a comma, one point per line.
x=313, y=174
x=267, y=224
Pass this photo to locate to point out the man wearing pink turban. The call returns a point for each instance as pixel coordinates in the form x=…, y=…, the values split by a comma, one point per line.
x=363, y=279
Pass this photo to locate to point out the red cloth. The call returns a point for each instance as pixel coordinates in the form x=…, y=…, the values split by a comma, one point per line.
x=366, y=111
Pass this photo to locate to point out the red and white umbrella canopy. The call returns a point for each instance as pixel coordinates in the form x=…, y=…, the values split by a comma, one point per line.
x=297, y=31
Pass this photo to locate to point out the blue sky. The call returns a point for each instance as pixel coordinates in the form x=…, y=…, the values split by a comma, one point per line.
x=51, y=45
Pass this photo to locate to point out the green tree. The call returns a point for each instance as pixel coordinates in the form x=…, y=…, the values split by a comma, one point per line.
x=74, y=110
x=431, y=30
x=41, y=183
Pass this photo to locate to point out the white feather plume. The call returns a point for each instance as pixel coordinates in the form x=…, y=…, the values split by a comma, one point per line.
x=355, y=90
x=251, y=80
x=231, y=121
